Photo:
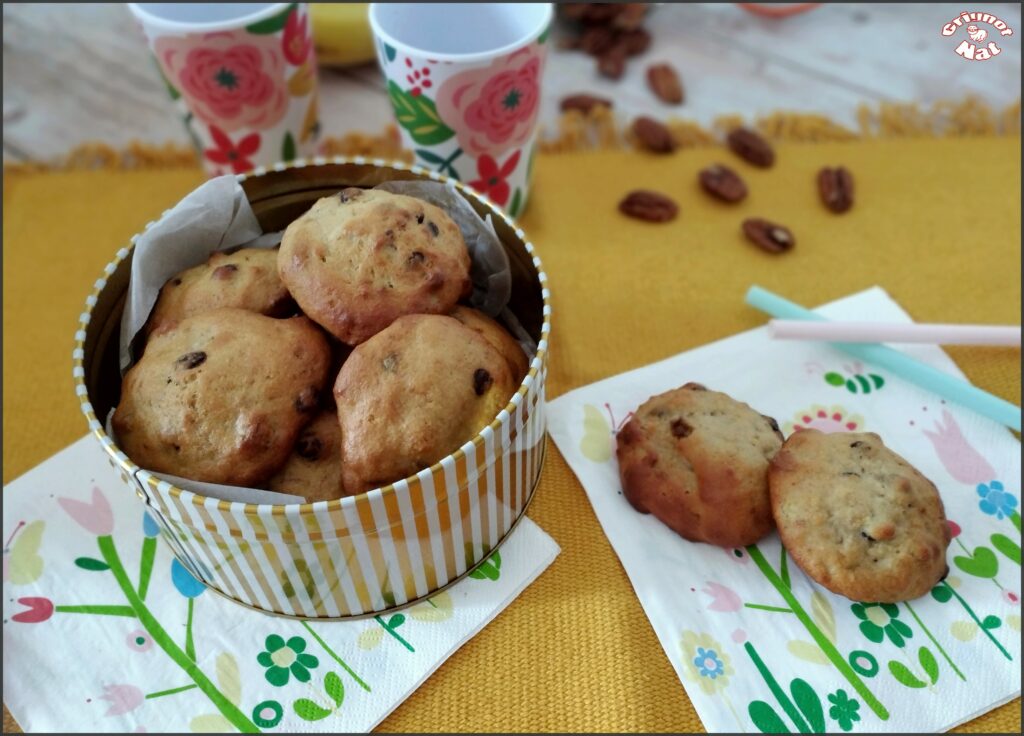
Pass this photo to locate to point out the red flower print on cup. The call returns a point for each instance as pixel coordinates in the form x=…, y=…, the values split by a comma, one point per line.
x=418, y=78
x=493, y=109
x=296, y=43
x=231, y=80
x=492, y=177
x=226, y=152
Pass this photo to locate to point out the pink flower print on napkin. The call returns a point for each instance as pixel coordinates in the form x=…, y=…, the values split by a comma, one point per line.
x=493, y=109
x=723, y=599
x=94, y=516
x=961, y=460
x=232, y=80
x=37, y=610
x=122, y=699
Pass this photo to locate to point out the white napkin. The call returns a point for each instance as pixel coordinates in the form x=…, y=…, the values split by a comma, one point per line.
x=747, y=661
x=104, y=671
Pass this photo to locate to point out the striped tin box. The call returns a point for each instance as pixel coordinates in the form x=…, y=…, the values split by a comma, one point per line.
x=354, y=556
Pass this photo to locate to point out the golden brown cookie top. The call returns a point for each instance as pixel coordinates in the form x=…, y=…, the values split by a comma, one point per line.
x=497, y=336
x=222, y=396
x=313, y=469
x=244, y=279
x=414, y=393
x=698, y=460
x=359, y=259
x=857, y=517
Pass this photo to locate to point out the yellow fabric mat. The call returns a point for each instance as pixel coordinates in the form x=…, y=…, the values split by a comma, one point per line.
x=937, y=223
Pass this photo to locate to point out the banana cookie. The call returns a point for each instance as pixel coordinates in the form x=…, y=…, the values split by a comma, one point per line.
x=222, y=397
x=359, y=259
x=857, y=517
x=313, y=469
x=412, y=394
x=698, y=460
x=244, y=279
x=497, y=336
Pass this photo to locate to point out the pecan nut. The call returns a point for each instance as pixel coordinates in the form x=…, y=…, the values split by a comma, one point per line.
x=653, y=135
x=649, y=206
x=665, y=83
x=768, y=236
x=836, y=188
x=751, y=147
x=584, y=103
x=723, y=183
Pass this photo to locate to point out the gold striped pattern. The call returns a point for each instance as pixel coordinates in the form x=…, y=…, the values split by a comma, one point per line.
x=364, y=554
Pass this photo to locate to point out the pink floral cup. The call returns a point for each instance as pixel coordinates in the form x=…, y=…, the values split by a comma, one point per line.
x=465, y=83
x=243, y=76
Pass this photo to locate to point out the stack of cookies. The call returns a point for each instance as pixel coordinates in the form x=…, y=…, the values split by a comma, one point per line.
x=363, y=294
x=854, y=515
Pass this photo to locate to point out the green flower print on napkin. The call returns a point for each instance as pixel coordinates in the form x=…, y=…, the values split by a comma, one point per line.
x=282, y=657
x=844, y=709
x=879, y=620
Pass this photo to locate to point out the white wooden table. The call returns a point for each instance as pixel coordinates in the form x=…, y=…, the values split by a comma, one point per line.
x=75, y=73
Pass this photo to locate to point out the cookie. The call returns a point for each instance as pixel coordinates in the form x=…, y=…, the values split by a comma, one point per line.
x=360, y=259
x=858, y=518
x=497, y=336
x=698, y=460
x=412, y=394
x=313, y=469
x=222, y=397
x=245, y=279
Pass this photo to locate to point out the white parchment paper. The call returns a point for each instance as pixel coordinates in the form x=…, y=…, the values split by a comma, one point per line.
x=217, y=216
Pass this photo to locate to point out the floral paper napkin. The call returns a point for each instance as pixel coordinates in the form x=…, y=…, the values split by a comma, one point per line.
x=756, y=644
x=105, y=631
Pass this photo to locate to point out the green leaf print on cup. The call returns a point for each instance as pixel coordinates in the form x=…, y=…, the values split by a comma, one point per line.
x=443, y=165
x=273, y=24
x=516, y=203
x=288, y=148
x=418, y=115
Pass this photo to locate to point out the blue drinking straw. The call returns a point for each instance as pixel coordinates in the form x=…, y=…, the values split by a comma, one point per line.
x=905, y=367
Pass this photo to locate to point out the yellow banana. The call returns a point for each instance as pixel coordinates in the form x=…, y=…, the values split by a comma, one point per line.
x=341, y=32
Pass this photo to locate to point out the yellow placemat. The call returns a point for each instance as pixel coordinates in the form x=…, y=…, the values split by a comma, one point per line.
x=937, y=223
